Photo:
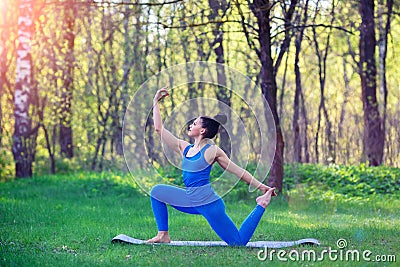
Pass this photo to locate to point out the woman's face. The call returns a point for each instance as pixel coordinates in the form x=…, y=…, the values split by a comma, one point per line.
x=195, y=128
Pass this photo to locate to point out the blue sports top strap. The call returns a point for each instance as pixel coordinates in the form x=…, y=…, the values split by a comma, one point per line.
x=205, y=147
x=187, y=149
x=191, y=145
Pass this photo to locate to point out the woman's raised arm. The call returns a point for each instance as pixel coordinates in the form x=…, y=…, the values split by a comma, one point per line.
x=167, y=137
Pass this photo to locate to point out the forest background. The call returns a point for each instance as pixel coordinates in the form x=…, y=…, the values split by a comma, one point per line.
x=69, y=68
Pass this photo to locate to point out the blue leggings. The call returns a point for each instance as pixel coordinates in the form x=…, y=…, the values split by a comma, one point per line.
x=214, y=213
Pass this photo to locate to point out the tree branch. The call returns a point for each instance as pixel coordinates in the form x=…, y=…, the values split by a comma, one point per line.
x=166, y=26
x=246, y=33
x=125, y=3
x=288, y=36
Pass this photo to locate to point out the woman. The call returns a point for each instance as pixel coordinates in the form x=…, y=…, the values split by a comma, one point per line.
x=199, y=197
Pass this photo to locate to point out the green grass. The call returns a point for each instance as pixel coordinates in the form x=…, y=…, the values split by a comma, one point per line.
x=69, y=220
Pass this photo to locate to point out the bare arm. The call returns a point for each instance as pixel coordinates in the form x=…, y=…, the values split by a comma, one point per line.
x=167, y=137
x=244, y=175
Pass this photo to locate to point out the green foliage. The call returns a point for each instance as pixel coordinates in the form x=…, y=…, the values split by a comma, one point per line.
x=80, y=162
x=6, y=166
x=352, y=181
x=320, y=181
x=171, y=174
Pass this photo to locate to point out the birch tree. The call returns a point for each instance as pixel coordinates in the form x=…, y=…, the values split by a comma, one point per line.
x=22, y=137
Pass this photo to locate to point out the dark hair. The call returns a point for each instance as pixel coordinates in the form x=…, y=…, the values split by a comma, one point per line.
x=212, y=124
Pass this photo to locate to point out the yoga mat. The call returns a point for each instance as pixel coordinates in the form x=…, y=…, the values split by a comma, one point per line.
x=256, y=244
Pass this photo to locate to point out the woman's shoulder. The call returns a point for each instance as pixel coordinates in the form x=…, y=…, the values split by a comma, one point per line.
x=218, y=152
x=210, y=153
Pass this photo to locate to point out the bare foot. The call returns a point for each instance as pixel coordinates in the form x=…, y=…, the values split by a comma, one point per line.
x=161, y=237
x=264, y=200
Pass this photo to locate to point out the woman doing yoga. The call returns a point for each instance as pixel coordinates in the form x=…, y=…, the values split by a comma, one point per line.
x=199, y=197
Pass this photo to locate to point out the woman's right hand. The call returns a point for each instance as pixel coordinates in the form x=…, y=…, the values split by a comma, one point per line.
x=163, y=92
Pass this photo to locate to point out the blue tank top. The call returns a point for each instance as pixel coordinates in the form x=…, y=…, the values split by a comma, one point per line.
x=196, y=170
x=196, y=177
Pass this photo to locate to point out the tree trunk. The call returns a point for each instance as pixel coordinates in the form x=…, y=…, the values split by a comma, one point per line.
x=373, y=134
x=305, y=126
x=222, y=96
x=296, y=107
x=261, y=10
x=49, y=150
x=384, y=29
x=347, y=90
x=322, y=57
x=66, y=144
x=124, y=84
x=297, y=147
x=23, y=86
x=283, y=86
x=140, y=74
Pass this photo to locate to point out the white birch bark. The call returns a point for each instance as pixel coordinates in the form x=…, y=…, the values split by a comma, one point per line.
x=22, y=126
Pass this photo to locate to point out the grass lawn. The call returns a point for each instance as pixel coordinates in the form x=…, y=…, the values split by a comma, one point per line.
x=69, y=220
